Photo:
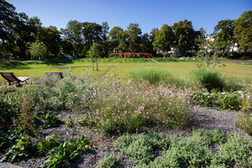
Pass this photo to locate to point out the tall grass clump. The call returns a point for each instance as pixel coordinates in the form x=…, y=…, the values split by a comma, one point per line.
x=51, y=93
x=210, y=79
x=133, y=106
x=155, y=77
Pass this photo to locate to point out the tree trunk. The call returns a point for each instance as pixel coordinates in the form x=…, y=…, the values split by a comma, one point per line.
x=96, y=64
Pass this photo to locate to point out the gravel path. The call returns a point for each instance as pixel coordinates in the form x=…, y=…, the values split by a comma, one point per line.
x=204, y=118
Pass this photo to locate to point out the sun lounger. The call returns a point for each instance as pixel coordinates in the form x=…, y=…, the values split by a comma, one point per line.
x=12, y=79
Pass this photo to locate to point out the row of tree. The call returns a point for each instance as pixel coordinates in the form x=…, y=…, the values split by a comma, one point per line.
x=20, y=35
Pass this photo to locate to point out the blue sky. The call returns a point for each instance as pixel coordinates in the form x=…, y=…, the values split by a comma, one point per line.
x=148, y=14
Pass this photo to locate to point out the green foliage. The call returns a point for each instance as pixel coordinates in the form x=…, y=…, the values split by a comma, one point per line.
x=210, y=79
x=108, y=161
x=67, y=151
x=53, y=94
x=50, y=120
x=156, y=77
x=141, y=147
x=238, y=150
x=7, y=112
x=245, y=123
x=202, y=149
x=10, y=138
x=243, y=33
x=93, y=51
x=48, y=143
x=223, y=100
x=22, y=149
x=38, y=49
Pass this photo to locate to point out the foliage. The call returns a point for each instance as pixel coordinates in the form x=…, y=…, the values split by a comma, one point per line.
x=50, y=120
x=224, y=31
x=108, y=161
x=141, y=147
x=93, y=52
x=10, y=138
x=117, y=107
x=245, y=123
x=164, y=39
x=243, y=33
x=238, y=150
x=48, y=143
x=155, y=77
x=23, y=148
x=223, y=100
x=38, y=49
x=67, y=151
x=210, y=79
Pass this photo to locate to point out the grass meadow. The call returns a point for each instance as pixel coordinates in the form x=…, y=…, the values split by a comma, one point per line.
x=118, y=67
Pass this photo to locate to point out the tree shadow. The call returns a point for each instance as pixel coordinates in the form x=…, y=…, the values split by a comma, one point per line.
x=13, y=65
x=57, y=62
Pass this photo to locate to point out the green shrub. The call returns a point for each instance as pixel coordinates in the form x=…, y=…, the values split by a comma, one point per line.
x=223, y=100
x=48, y=143
x=142, y=147
x=210, y=79
x=50, y=120
x=10, y=138
x=22, y=149
x=108, y=161
x=245, y=123
x=155, y=77
x=67, y=151
x=238, y=150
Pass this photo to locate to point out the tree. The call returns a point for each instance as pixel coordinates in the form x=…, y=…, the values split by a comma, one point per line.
x=38, y=50
x=134, y=34
x=146, y=45
x=8, y=18
x=185, y=37
x=93, y=52
x=164, y=39
x=114, y=38
x=243, y=31
x=73, y=34
x=224, y=34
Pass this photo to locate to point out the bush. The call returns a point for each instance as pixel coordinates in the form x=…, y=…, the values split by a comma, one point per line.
x=245, y=123
x=155, y=77
x=142, y=147
x=22, y=149
x=210, y=79
x=223, y=100
x=108, y=161
x=130, y=107
x=49, y=120
x=48, y=143
x=67, y=151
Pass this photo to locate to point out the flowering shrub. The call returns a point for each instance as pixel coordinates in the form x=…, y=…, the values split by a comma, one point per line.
x=131, y=106
x=223, y=100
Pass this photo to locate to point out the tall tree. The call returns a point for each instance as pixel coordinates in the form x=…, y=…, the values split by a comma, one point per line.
x=243, y=31
x=224, y=34
x=8, y=18
x=73, y=34
x=164, y=39
x=185, y=37
x=146, y=45
x=134, y=33
x=114, y=38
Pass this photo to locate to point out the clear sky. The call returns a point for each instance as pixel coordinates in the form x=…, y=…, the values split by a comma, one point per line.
x=148, y=14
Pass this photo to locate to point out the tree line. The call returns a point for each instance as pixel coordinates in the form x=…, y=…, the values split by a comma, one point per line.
x=20, y=35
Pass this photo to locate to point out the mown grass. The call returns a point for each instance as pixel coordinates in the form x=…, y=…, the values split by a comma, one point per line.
x=119, y=66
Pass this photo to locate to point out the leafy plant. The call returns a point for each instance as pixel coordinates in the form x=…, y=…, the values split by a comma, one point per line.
x=245, y=123
x=48, y=143
x=50, y=120
x=67, y=151
x=108, y=161
x=23, y=148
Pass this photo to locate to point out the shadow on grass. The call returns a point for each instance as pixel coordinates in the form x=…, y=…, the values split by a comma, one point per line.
x=13, y=65
x=57, y=62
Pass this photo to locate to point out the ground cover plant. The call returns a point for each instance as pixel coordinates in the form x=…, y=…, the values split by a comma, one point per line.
x=198, y=150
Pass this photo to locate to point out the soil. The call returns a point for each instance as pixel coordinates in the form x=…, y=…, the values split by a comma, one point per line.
x=204, y=118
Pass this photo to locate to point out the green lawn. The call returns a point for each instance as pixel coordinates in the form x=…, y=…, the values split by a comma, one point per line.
x=178, y=69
